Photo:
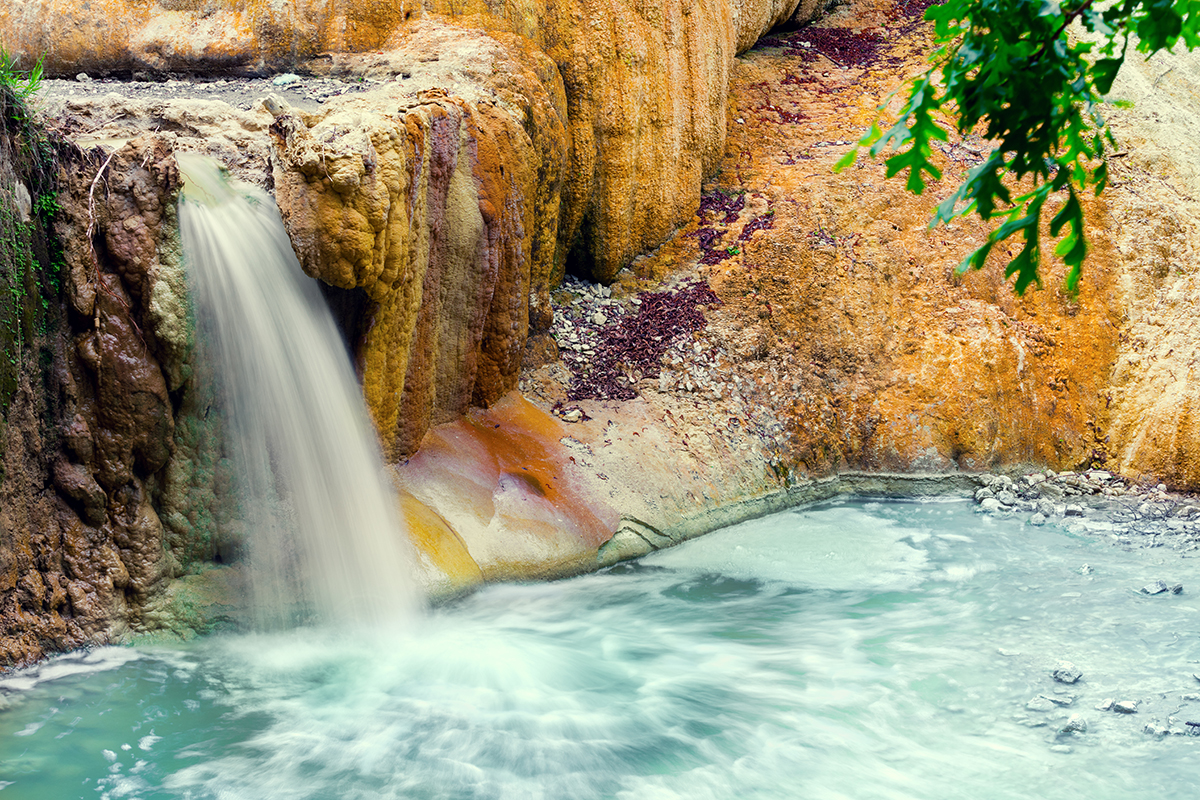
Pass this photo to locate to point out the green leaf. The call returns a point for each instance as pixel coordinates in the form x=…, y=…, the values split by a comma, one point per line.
x=1104, y=72
x=977, y=259
x=1100, y=177
x=1024, y=266
x=1071, y=212
x=846, y=160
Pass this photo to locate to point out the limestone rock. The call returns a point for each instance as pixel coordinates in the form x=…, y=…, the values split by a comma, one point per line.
x=1155, y=229
x=1066, y=672
x=1076, y=723
x=1040, y=703
x=645, y=85
x=443, y=209
x=121, y=353
x=991, y=505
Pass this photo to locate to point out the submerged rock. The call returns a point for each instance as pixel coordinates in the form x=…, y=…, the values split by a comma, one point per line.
x=1040, y=703
x=1074, y=724
x=1066, y=672
x=991, y=505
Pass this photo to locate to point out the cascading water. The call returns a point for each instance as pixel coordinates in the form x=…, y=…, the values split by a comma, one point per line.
x=325, y=536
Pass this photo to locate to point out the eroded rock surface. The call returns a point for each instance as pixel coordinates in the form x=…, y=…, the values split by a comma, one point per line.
x=132, y=496
x=645, y=84
x=844, y=337
x=438, y=198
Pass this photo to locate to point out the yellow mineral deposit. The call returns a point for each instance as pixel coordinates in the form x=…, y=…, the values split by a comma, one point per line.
x=510, y=493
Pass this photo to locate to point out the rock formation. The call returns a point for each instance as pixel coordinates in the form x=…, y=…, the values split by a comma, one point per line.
x=111, y=499
x=437, y=197
x=645, y=84
x=581, y=131
x=450, y=179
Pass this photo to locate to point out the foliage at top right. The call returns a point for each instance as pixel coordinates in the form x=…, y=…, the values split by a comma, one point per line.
x=1011, y=71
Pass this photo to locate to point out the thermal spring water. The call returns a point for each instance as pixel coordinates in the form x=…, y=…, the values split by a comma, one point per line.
x=324, y=534
x=849, y=650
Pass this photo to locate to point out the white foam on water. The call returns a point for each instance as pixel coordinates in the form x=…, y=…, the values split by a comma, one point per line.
x=82, y=662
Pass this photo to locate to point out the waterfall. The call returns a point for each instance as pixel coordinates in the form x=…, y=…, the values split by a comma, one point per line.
x=324, y=534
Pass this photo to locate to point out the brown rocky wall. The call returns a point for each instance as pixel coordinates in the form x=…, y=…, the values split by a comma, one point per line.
x=95, y=467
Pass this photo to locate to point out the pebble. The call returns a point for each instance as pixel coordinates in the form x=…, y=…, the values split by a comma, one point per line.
x=83, y=77
x=1125, y=706
x=1075, y=724
x=1066, y=672
x=285, y=79
x=1105, y=705
x=1158, y=587
x=573, y=415
x=1082, y=502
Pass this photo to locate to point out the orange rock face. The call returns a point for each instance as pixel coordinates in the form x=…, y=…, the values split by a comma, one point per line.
x=442, y=209
x=543, y=136
x=511, y=492
x=844, y=339
x=645, y=83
